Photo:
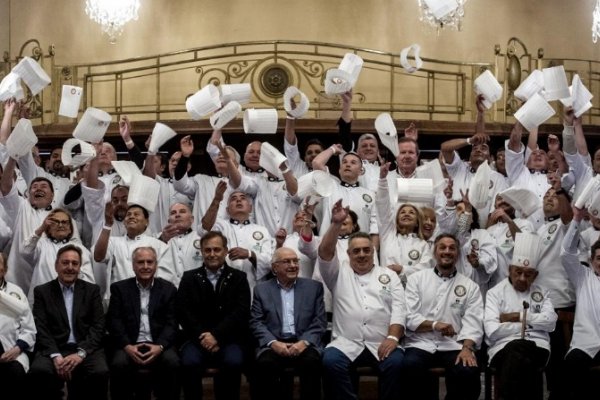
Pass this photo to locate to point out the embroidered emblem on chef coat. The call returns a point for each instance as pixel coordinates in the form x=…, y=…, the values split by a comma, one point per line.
x=460, y=290
x=116, y=179
x=257, y=235
x=15, y=295
x=197, y=244
x=475, y=244
x=414, y=254
x=537, y=296
x=367, y=198
x=384, y=279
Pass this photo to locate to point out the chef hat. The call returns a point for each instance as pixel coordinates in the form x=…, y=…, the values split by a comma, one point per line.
x=143, y=191
x=591, y=187
x=433, y=170
x=487, y=86
x=526, y=250
x=386, y=130
x=87, y=152
x=581, y=97
x=594, y=207
x=93, y=125
x=522, y=200
x=415, y=190
x=301, y=107
x=161, y=134
x=260, y=120
x=128, y=171
x=69, y=101
x=555, y=83
x=225, y=115
x=342, y=79
x=240, y=92
x=534, y=112
x=271, y=159
x=404, y=58
x=441, y=8
x=32, y=74
x=533, y=84
x=21, y=140
x=479, y=188
x=203, y=102
x=11, y=87
x=315, y=184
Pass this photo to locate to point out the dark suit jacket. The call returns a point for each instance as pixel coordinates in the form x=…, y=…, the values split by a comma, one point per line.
x=124, y=310
x=310, y=320
x=52, y=323
x=223, y=312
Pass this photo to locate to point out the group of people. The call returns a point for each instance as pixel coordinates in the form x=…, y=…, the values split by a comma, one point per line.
x=236, y=274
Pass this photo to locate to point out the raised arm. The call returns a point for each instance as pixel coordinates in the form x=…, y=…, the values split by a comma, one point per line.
x=7, y=181
x=321, y=159
x=480, y=123
x=209, y=219
x=9, y=109
x=330, y=238
x=514, y=142
x=532, y=140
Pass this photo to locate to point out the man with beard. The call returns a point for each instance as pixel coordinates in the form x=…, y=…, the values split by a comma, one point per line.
x=290, y=148
x=115, y=251
x=183, y=247
x=502, y=227
x=443, y=327
x=23, y=216
x=462, y=172
x=519, y=301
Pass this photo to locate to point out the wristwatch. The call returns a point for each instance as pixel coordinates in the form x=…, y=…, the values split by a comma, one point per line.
x=81, y=353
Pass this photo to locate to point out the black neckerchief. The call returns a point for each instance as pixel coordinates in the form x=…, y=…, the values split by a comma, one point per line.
x=59, y=241
x=110, y=171
x=437, y=272
x=47, y=208
x=346, y=184
x=554, y=218
x=236, y=222
x=258, y=171
x=541, y=171
x=274, y=179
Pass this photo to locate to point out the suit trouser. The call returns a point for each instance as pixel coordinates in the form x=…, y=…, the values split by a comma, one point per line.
x=163, y=376
x=580, y=384
x=229, y=360
x=12, y=379
x=89, y=380
x=270, y=368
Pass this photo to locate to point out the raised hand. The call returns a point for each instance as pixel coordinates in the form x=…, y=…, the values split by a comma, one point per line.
x=187, y=146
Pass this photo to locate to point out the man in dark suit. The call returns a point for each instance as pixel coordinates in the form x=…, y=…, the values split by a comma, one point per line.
x=213, y=308
x=142, y=327
x=69, y=318
x=288, y=321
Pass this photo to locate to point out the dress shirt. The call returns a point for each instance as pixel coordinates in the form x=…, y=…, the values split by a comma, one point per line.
x=145, y=334
x=213, y=276
x=287, y=303
x=67, y=292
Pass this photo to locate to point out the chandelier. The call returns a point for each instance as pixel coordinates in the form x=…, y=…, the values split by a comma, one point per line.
x=112, y=15
x=442, y=14
x=596, y=23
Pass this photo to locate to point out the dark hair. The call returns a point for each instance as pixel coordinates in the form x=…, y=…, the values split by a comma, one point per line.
x=212, y=235
x=69, y=247
x=405, y=139
x=351, y=153
x=310, y=142
x=475, y=221
x=354, y=218
x=42, y=179
x=118, y=187
x=595, y=246
x=359, y=235
x=442, y=236
x=146, y=214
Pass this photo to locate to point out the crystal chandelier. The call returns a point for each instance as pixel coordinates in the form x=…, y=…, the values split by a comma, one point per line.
x=112, y=15
x=596, y=23
x=442, y=14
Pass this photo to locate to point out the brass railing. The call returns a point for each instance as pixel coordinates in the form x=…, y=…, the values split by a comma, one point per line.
x=155, y=87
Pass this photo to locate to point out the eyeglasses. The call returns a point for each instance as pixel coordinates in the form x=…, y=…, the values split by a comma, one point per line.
x=288, y=261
